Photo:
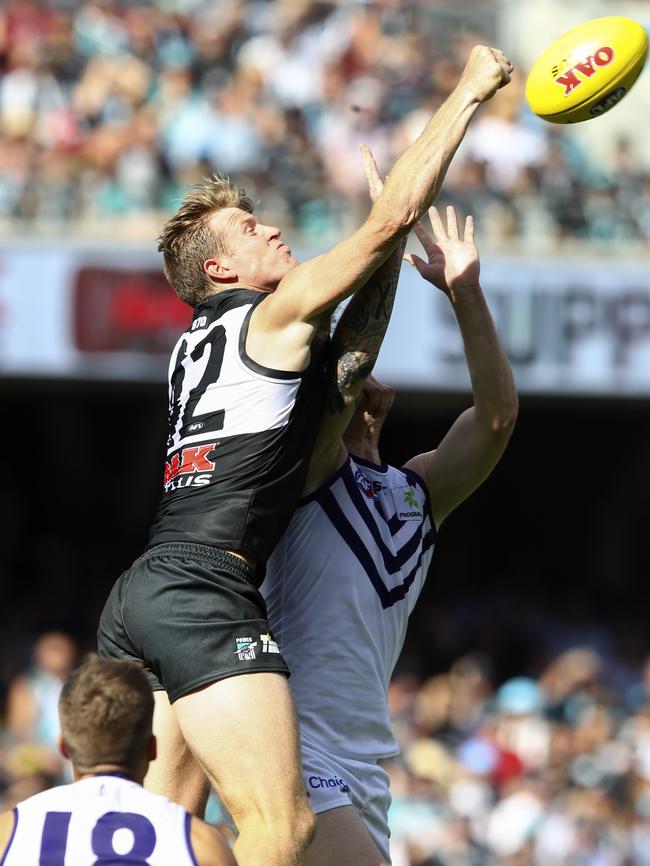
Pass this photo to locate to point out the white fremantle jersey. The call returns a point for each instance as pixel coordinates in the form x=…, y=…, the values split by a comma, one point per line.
x=103, y=819
x=339, y=588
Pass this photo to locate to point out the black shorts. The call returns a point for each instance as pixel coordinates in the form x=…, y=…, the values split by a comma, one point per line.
x=192, y=615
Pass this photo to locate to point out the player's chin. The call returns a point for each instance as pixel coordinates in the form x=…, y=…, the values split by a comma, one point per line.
x=289, y=263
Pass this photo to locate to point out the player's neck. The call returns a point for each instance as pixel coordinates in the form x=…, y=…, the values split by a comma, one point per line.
x=238, y=284
x=364, y=449
x=133, y=775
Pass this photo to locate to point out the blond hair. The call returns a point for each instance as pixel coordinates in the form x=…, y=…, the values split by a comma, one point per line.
x=106, y=713
x=186, y=240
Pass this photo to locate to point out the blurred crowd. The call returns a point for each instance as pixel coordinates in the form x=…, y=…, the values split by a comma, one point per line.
x=110, y=108
x=545, y=771
x=550, y=770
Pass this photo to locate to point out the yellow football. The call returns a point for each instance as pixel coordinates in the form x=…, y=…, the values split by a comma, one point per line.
x=588, y=70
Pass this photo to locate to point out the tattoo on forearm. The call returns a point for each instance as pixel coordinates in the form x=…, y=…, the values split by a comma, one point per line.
x=384, y=306
x=351, y=367
x=360, y=332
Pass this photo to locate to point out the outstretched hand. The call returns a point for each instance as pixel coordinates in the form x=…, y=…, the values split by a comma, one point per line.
x=452, y=261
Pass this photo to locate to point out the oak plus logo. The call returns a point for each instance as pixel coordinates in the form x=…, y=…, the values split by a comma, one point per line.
x=185, y=467
x=585, y=69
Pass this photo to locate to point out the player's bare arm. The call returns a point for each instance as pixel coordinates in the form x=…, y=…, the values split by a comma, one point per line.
x=359, y=335
x=477, y=439
x=354, y=349
x=318, y=285
x=353, y=352
x=360, y=332
x=210, y=848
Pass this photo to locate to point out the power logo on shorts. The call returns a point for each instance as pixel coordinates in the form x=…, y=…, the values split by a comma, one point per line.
x=245, y=649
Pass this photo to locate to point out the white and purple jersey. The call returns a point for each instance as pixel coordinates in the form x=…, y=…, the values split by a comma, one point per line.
x=102, y=819
x=339, y=588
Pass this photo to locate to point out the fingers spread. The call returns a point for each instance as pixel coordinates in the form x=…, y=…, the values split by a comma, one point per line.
x=452, y=223
x=469, y=228
x=439, y=232
x=424, y=237
x=415, y=261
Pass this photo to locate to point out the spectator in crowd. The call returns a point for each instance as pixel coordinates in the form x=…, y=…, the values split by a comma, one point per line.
x=109, y=109
x=30, y=760
x=553, y=771
x=33, y=698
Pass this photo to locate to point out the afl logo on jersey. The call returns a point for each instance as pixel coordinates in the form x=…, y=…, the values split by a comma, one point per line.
x=369, y=488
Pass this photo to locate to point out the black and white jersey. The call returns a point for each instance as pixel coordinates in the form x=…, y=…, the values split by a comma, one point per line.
x=240, y=435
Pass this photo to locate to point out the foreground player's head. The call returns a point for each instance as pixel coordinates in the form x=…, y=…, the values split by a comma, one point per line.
x=106, y=713
x=361, y=436
x=214, y=242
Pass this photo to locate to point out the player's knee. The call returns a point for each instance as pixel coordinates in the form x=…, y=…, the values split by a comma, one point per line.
x=296, y=831
x=297, y=822
x=291, y=828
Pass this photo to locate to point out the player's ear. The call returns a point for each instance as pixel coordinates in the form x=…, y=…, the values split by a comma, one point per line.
x=218, y=270
x=62, y=746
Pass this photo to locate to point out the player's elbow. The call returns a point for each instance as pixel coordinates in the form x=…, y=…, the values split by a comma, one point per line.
x=498, y=420
x=503, y=419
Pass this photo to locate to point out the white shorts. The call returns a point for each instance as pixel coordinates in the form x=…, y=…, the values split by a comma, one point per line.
x=333, y=781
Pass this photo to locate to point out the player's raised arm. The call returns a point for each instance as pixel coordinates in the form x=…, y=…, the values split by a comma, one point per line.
x=319, y=284
x=353, y=351
x=477, y=439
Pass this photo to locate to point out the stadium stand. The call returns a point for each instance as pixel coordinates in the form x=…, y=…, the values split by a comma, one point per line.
x=109, y=109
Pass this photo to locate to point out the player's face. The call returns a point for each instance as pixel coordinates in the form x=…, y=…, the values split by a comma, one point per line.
x=256, y=254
